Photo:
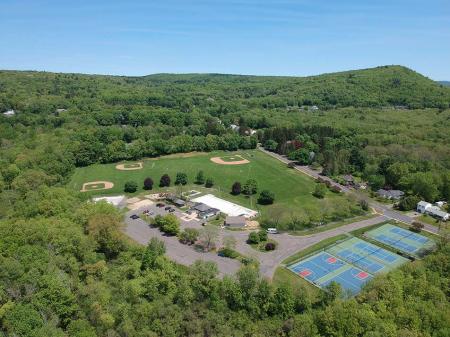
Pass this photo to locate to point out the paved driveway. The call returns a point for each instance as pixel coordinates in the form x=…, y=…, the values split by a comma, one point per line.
x=288, y=244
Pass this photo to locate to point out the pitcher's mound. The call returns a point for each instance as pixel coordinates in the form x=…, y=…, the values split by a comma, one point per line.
x=230, y=160
x=97, y=186
x=129, y=166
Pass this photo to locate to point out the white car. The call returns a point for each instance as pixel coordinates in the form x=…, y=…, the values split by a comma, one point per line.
x=272, y=231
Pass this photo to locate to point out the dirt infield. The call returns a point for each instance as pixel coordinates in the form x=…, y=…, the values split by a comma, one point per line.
x=96, y=186
x=129, y=167
x=220, y=161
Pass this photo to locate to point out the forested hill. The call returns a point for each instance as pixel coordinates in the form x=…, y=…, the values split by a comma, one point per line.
x=376, y=87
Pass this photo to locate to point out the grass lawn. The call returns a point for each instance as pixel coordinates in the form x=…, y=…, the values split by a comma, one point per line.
x=293, y=190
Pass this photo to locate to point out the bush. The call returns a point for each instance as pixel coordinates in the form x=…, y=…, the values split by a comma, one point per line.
x=416, y=226
x=262, y=235
x=200, y=178
x=189, y=236
x=266, y=197
x=148, y=184
x=181, y=179
x=364, y=204
x=320, y=191
x=236, y=188
x=170, y=225
x=408, y=203
x=291, y=164
x=335, y=189
x=270, y=246
x=228, y=252
x=130, y=187
x=164, y=181
x=250, y=187
x=253, y=237
x=209, y=183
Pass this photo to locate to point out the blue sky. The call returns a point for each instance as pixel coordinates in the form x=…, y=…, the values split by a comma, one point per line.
x=266, y=37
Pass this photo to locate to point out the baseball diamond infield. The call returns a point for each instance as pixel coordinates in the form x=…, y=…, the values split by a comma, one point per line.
x=129, y=166
x=97, y=186
x=230, y=160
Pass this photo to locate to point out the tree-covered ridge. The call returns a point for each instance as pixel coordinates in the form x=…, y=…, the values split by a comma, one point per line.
x=376, y=87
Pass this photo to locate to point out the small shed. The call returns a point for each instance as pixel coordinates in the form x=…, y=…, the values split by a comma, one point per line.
x=235, y=221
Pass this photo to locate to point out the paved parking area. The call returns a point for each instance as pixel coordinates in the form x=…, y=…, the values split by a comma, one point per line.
x=288, y=244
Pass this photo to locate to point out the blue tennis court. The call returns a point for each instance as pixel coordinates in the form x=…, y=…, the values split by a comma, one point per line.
x=317, y=266
x=351, y=280
x=366, y=256
x=402, y=239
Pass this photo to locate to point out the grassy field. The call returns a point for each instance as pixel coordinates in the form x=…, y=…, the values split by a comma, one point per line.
x=292, y=189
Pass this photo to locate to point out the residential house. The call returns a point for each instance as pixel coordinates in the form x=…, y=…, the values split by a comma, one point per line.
x=423, y=207
x=434, y=211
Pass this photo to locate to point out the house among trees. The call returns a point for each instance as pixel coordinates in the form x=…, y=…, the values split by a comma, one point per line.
x=435, y=211
x=390, y=194
x=9, y=113
x=348, y=179
x=235, y=221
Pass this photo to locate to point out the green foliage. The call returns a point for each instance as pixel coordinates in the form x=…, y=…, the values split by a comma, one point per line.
x=408, y=203
x=266, y=197
x=148, y=183
x=250, y=187
x=236, y=188
x=154, y=249
x=181, y=178
x=253, y=237
x=200, y=178
x=189, y=236
x=209, y=183
x=164, y=181
x=130, y=187
x=320, y=190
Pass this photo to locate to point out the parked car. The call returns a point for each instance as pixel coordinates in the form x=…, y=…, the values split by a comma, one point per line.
x=167, y=208
x=171, y=210
x=159, y=205
x=272, y=231
x=134, y=216
x=151, y=213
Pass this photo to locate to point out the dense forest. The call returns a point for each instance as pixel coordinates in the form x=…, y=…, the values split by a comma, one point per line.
x=67, y=270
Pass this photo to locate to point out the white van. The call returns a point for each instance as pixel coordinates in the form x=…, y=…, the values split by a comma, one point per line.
x=272, y=231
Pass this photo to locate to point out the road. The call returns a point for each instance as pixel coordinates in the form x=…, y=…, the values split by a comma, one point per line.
x=379, y=207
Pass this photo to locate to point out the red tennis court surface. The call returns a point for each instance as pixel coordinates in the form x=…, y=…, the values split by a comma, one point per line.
x=331, y=259
x=362, y=275
x=305, y=273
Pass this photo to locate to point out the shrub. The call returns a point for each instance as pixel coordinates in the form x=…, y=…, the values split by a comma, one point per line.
x=130, y=187
x=200, y=178
x=253, y=237
x=416, y=226
x=291, y=164
x=364, y=204
x=170, y=225
x=164, y=181
x=262, y=235
x=266, y=197
x=270, y=246
x=181, y=179
x=189, y=236
x=408, y=203
x=320, y=191
x=236, y=188
x=209, y=183
x=148, y=184
x=250, y=187
x=228, y=252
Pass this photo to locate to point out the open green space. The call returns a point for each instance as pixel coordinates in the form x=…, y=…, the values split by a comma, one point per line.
x=293, y=190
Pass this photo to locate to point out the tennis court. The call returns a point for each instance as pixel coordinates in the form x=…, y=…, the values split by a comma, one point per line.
x=401, y=239
x=323, y=268
x=366, y=256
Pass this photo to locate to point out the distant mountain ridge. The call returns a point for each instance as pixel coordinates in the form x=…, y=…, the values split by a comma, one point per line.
x=374, y=87
x=446, y=83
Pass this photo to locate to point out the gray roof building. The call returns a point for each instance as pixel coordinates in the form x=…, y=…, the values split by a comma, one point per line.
x=235, y=221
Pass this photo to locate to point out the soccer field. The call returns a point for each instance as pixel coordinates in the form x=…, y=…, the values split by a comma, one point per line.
x=293, y=190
